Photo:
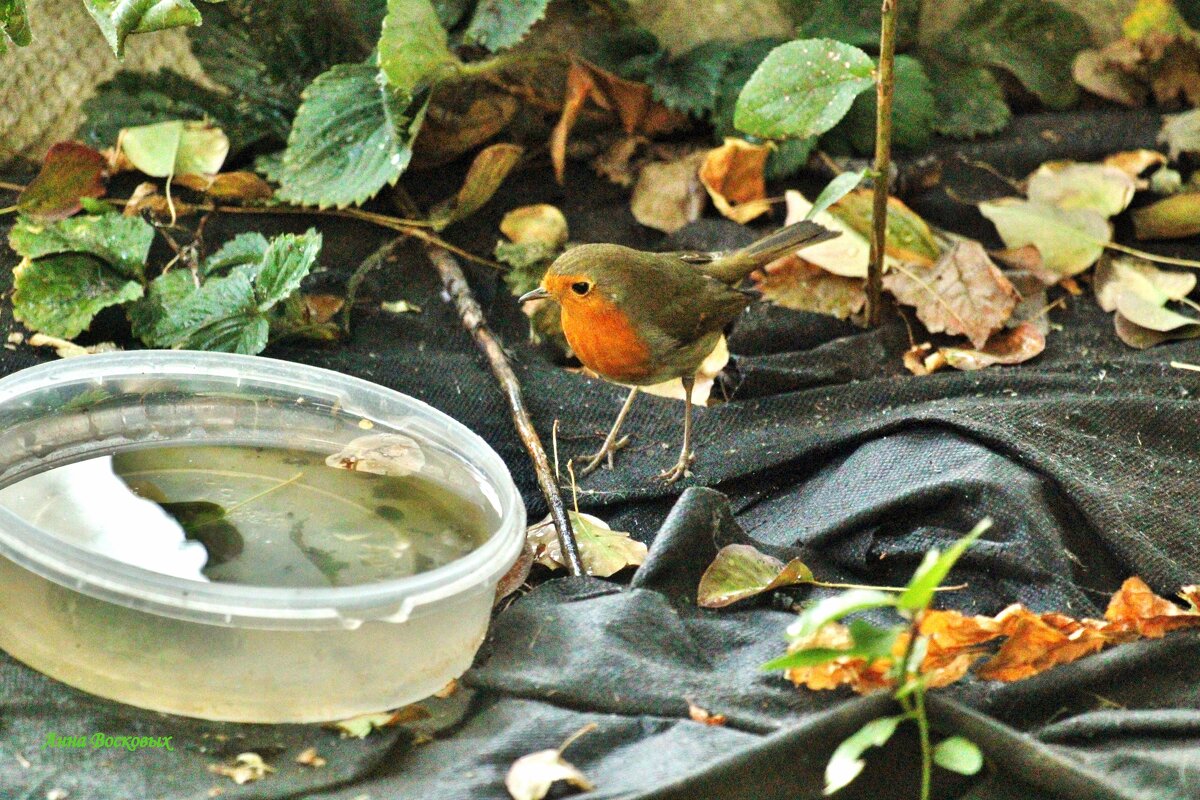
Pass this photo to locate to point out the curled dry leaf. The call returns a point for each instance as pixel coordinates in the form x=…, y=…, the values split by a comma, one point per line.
x=380, y=454
x=530, y=777
x=632, y=103
x=1141, y=338
x=65, y=348
x=733, y=174
x=1116, y=275
x=740, y=571
x=704, y=716
x=795, y=283
x=668, y=194
x=487, y=171
x=1014, y=346
x=1173, y=217
x=229, y=187
x=517, y=574
x=536, y=223
x=922, y=359
x=310, y=758
x=1136, y=607
x=70, y=172
x=604, y=551
x=963, y=293
x=246, y=768
x=1037, y=642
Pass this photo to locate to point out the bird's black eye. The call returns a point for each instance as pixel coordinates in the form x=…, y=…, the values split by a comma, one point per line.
x=581, y=287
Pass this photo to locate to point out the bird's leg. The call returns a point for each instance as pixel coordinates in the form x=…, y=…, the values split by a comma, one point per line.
x=611, y=443
x=680, y=470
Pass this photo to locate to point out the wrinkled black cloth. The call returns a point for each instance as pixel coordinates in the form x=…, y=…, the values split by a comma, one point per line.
x=827, y=449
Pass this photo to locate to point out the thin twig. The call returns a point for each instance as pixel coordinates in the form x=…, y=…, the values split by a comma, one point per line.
x=455, y=284
x=884, y=85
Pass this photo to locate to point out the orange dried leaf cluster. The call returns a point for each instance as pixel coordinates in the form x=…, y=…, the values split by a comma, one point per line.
x=1032, y=642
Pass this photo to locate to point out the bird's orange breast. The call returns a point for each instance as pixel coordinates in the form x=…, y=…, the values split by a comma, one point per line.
x=606, y=341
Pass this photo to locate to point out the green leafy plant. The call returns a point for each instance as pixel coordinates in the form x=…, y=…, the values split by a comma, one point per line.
x=903, y=647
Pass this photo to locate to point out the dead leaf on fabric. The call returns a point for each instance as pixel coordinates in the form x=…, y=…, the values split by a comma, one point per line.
x=541, y=222
x=1136, y=607
x=1135, y=163
x=246, y=768
x=1105, y=189
x=310, y=758
x=846, y=255
x=669, y=194
x=530, y=777
x=1173, y=217
x=733, y=174
x=1117, y=274
x=1069, y=241
x=1101, y=73
x=361, y=726
x=909, y=238
x=922, y=359
x=1181, y=133
x=704, y=716
x=1141, y=338
x=963, y=293
x=1036, y=642
x=740, y=571
x=604, y=551
x=229, y=187
x=795, y=283
x=858, y=673
x=487, y=172
x=1014, y=346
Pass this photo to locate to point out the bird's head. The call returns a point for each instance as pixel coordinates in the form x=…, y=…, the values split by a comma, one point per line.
x=590, y=276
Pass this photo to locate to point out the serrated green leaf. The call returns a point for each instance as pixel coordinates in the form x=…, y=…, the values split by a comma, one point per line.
x=121, y=242
x=835, y=190
x=690, y=82
x=118, y=19
x=846, y=762
x=243, y=249
x=60, y=294
x=958, y=754
x=221, y=315
x=802, y=89
x=832, y=609
x=629, y=52
x=500, y=24
x=970, y=101
x=131, y=99
x=413, y=46
x=934, y=569
x=855, y=22
x=1035, y=40
x=914, y=111
x=175, y=147
x=344, y=146
x=14, y=24
x=284, y=265
x=267, y=52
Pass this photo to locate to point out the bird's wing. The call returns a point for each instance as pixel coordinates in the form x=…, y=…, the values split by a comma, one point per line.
x=688, y=304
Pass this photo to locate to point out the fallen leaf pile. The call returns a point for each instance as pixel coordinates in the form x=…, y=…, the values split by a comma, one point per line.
x=1031, y=643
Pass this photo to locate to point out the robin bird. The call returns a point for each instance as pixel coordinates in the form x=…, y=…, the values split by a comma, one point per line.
x=637, y=318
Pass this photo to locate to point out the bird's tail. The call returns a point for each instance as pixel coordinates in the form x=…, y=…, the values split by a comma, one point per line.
x=733, y=267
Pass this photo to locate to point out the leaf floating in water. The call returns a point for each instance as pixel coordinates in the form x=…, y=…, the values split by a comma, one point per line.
x=206, y=523
x=380, y=454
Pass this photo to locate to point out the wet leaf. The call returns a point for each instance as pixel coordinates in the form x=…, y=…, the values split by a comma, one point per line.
x=122, y=243
x=70, y=172
x=14, y=24
x=206, y=523
x=489, y=169
x=605, y=552
x=963, y=293
x=166, y=149
x=958, y=754
x=500, y=24
x=1070, y=185
x=1014, y=346
x=1069, y=241
x=61, y=294
x=733, y=176
x=669, y=194
x=802, y=89
x=739, y=571
x=412, y=46
x=537, y=223
x=391, y=454
x=1173, y=217
x=846, y=762
x=117, y=20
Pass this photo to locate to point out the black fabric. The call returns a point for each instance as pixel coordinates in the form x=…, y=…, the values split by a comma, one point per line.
x=1085, y=458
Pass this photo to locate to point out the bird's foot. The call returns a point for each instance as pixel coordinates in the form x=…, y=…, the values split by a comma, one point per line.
x=603, y=456
x=680, y=470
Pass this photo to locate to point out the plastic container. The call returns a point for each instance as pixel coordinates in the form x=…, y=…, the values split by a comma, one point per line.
x=230, y=651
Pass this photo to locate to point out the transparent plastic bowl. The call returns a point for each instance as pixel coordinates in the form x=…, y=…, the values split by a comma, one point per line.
x=230, y=651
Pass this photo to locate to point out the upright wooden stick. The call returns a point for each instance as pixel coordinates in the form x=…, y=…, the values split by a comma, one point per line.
x=884, y=84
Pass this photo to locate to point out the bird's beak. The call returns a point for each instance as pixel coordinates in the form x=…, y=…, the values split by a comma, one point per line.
x=537, y=294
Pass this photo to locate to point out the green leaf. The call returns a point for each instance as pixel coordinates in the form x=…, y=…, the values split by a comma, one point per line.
x=1069, y=241
x=958, y=754
x=413, y=46
x=933, y=571
x=832, y=609
x=855, y=22
x=284, y=265
x=629, y=52
x=450, y=12
x=176, y=147
x=835, y=190
x=743, y=61
x=500, y=24
x=690, y=82
x=205, y=522
x=221, y=315
x=740, y=571
x=808, y=657
x=802, y=89
x=869, y=641
x=788, y=157
x=117, y=19
x=267, y=51
x=913, y=111
x=121, y=242
x=1035, y=40
x=846, y=762
x=61, y=294
x=1100, y=187
x=243, y=249
x=969, y=100
x=14, y=24
x=132, y=99
x=166, y=291
x=70, y=172
x=346, y=143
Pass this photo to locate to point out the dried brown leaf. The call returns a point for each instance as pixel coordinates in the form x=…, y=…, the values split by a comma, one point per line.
x=70, y=172
x=1014, y=346
x=1136, y=607
x=309, y=758
x=668, y=194
x=795, y=283
x=247, y=767
x=704, y=716
x=1037, y=642
x=733, y=174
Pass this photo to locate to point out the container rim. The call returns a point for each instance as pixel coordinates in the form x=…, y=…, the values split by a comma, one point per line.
x=108, y=579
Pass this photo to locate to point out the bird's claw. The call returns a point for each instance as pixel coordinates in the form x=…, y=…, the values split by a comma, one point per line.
x=680, y=470
x=603, y=456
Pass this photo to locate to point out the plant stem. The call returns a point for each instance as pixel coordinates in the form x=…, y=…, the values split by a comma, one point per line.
x=1133, y=251
x=825, y=585
x=884, y=84
x=926, y=745
x=8, y=210
x=455, y=284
